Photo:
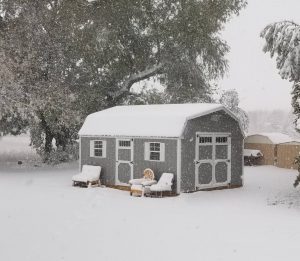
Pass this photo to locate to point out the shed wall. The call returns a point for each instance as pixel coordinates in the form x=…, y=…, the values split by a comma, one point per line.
x=286, y=155
x=158, y=167
x=215, y=122
x=108, y=164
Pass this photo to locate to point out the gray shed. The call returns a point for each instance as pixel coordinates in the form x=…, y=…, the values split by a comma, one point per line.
x=202, y=144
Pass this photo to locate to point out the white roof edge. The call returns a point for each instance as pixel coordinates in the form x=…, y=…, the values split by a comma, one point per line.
x=220, y=108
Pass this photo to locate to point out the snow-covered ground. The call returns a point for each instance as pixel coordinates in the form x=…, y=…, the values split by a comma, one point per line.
x=44, y=218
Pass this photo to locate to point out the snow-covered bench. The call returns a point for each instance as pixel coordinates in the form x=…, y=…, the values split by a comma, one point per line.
x=89, y=175
x=164, y=184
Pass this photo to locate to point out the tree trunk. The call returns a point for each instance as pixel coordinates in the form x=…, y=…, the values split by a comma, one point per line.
x=48, y=137
x=48, y=142
x=61, y=141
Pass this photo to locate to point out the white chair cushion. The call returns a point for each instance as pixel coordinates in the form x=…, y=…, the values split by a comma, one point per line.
x=159, y=188
x=80, y=178
x=88, y=173
x=164, y=183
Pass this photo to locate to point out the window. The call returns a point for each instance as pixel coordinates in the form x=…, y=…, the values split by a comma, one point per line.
x=221, y=139
x=205, y=139
x=98, y=148
x=155, y=151
x=124, y=143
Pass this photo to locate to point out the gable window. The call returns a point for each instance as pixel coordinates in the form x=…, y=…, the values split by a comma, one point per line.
x=98, y=148
x=154, y=151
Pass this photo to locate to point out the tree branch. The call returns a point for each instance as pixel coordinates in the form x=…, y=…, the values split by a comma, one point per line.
x=134, y=78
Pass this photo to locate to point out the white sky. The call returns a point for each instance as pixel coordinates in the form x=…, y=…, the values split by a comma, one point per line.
x=253, y=73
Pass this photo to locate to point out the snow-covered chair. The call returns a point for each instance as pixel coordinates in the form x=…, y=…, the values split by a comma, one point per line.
x=89, y=175
x=142, y=186
x=164, y=184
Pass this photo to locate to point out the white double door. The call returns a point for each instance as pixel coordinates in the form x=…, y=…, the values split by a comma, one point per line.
x=213, y=160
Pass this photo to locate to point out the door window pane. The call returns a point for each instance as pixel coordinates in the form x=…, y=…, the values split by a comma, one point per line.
x=221, y=151
x=205, y=152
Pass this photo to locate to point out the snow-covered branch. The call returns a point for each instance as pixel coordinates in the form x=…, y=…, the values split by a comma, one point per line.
x=137, y=77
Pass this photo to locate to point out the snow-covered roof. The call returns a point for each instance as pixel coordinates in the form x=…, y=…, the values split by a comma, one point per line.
x=276, y=137
x=254, y=153
x=167, y=120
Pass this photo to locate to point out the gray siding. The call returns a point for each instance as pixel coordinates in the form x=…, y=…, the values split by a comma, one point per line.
x=169, y=165
x=108, y=163
x=206, y=124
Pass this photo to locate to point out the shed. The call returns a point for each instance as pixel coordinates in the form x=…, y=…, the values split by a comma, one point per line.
x=277, y=148
x=202, y=144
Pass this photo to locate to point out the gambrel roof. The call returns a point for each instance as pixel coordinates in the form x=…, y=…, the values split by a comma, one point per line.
x=166, y=120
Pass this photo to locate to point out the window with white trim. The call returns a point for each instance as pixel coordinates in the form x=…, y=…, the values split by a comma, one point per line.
x=154, y=151
x=98, y=148
x=203, y=139
x=221, y=139
x=124, y=143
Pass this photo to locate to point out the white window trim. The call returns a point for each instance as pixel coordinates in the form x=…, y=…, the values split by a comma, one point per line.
x=161, y=151
x=92, y=149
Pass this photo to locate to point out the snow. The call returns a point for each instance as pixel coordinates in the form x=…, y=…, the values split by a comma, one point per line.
x=254, y=153
x=14, y=148
x=44, y=218
x=145, y=120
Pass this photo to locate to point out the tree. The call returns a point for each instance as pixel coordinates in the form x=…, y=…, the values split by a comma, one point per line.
x=36, y=42
x=230, y=99
x=177, y=41
x=282, y=40
x=74, y=57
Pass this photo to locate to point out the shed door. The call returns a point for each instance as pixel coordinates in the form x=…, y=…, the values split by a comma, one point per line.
x=124, y=161
x=212, y=163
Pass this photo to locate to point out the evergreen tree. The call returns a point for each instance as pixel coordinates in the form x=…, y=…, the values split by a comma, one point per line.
x=282, y=40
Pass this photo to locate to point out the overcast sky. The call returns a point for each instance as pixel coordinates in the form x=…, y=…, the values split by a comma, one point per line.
x=253, y=73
